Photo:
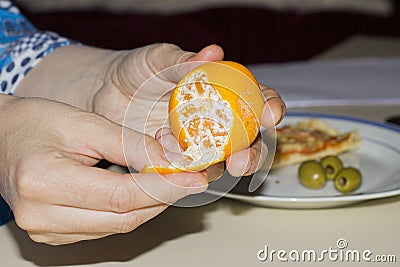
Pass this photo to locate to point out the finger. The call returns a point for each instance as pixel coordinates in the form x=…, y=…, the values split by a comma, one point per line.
x=102, y=139
x=274, y=108
x=64, y=239
x=260, y=150
x=215, y=171
x=209, y=53
x=101, y=189
x=247, y=161
x=167, y=140
x=172, y=149
x=142, y=151
x=88, y=223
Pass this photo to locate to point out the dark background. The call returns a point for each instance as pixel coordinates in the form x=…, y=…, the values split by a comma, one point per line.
x=248, y=35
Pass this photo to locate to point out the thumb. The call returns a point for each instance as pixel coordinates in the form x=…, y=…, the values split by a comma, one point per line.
x=124, y=146
x=177, y=63
x=209, y=53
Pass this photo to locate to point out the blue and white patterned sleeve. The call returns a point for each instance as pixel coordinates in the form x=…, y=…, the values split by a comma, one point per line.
x=22, y=46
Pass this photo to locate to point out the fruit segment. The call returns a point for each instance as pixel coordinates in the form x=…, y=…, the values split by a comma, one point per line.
x=204, y=119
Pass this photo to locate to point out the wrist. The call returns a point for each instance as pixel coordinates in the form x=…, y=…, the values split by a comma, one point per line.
x=70, y=74
x=5, y=99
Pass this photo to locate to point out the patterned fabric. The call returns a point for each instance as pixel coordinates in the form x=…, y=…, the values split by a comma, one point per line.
x=21, y=46
x=5, y=212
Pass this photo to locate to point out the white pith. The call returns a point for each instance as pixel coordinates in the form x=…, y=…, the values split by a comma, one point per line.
x=203, y=106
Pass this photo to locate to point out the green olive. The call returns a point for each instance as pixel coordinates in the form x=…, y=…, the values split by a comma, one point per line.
x=332, y=166
x=347, y=180
x=312, y=174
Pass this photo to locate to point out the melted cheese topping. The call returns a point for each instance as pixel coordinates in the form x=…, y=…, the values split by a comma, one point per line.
x=305, y=141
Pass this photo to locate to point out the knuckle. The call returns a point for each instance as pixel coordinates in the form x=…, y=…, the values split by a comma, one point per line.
x=38, y=238
x=21, y=221
x=172, y=193
x=150, y=142
x=30, y=180
x=23, y=218
x=159, y=49
x=30, y=217
x=163, y=55
x=174, y=190
x=128, y=222
x=252, y=161
x=154, y=151
x=24, y=182
x=121, y=199
x=269, y=92
x=48, y=239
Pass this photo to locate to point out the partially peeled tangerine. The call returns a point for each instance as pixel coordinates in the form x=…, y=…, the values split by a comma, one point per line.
x=214, y=111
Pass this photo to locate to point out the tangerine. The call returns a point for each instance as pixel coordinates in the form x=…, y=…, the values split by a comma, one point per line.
x=214, y=111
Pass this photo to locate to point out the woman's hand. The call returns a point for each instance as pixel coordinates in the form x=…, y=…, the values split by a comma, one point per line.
x=166, y=64
x=46, y=175
x=105, y=81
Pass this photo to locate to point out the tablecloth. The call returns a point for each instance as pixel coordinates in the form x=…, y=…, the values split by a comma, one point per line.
x=337, y=82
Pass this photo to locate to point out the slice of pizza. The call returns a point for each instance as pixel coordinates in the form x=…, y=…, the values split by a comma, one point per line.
x=311, y=139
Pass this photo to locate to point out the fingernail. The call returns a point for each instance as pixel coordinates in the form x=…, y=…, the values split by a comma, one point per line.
x=276, y=113
x=283, y=111
x=247, y=169
x=197, y=184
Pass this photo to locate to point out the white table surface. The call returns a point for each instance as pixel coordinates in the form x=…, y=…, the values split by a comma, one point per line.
x=228, y=232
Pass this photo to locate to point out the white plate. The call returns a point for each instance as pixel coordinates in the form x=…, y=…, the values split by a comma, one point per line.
x=378, y=159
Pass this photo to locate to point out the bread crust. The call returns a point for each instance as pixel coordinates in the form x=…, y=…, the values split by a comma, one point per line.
x=309, y=140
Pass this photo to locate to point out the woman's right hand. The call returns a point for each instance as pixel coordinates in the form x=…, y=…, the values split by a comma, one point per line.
x=47, y=154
